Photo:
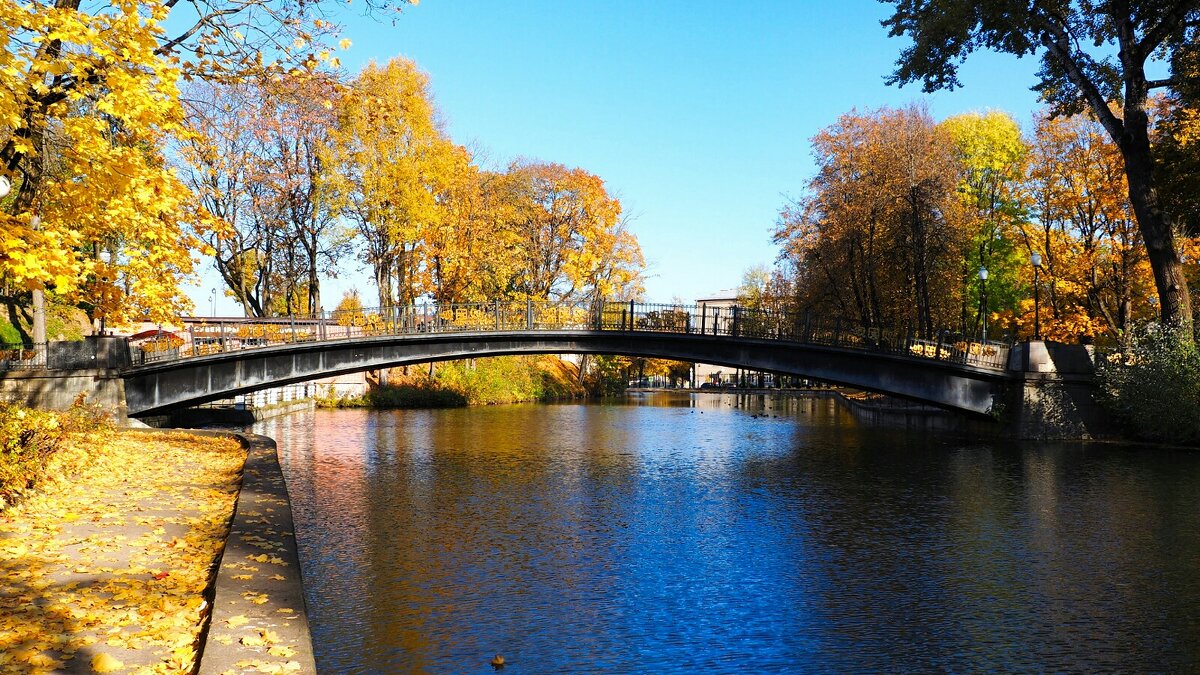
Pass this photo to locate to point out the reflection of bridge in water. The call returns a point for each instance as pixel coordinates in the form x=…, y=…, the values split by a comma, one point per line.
x=221, y=358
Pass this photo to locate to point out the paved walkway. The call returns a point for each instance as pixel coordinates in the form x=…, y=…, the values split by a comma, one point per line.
x=111, y=569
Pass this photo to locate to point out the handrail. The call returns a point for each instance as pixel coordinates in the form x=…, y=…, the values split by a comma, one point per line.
x=227, y=335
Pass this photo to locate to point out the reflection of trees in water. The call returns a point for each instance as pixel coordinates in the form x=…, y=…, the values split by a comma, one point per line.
x=865, y=548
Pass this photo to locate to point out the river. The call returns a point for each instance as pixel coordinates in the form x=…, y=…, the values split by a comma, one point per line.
x=682, y=533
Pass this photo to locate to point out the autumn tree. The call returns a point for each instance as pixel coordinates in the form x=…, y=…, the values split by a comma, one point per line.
x=294, y=120
x=220, y=160
x=1095, y=277
x=102, y=80
x=876, y=237
x=570, y=239
x=389, y=162
x=1093, y=55
x=991, y=155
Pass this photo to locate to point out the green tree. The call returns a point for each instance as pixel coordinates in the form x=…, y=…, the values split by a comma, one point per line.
x=991, y=154
x=1094, y=55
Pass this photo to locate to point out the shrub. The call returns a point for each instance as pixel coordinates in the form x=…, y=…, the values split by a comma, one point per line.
x=30, y=438
x=1152, y=387
x=400, y=396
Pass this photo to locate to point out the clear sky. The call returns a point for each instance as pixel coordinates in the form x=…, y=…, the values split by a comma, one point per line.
x=696, y=114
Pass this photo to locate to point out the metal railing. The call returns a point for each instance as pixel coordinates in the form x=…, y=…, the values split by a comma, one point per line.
x=22, y=356
x=226, y=335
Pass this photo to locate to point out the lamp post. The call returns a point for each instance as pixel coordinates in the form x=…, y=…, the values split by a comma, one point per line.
x=105, y=257
x=1036, y=260
x=212, y=296
x=983, y=275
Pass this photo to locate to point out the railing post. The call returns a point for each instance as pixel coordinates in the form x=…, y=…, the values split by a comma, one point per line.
x=937, y=351
x=192, y=337
x=703, y=316
x=321, y=325
x=425, y=317
x=529, y=313
x=837, y=331
x=624, y=314
x=631, y=315
x=807, y=335
x=497, y=315
x=292, y=320
x=736, y=312
x=221, y=339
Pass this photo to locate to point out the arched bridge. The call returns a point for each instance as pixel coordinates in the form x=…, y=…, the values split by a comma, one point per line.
x=222, y=358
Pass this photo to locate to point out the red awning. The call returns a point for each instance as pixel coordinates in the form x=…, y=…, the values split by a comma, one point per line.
x=154, y=334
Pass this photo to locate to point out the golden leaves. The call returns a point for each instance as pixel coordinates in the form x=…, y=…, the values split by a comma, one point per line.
x=91, y=569
x=104, y=663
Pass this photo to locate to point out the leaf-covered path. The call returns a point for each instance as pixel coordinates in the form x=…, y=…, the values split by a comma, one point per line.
x=105, y=569
x=110, y=566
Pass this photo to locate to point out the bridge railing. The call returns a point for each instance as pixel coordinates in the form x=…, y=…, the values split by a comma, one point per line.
x=217, y=335
x=18, y=356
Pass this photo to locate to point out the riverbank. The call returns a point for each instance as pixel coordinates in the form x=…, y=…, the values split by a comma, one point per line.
x=108, y=565
x=454, y=384
x=122, y=558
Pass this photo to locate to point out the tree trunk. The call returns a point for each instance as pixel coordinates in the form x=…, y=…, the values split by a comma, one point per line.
x=1157, y=232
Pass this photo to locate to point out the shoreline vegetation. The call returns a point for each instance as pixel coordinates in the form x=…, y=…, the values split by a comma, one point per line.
x=108, y=542
x=472, y=382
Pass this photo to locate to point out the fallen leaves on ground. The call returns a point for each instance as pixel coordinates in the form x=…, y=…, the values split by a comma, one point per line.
x=107, y=563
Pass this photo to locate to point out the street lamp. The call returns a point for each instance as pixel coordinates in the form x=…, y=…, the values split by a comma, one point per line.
x=983, y=275
x=213, y=297
x=1035, y=259
x=105, y=257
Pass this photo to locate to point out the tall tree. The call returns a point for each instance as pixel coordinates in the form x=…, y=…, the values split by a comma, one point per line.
x=877, y=236
x=102, y=76
x=568, y=232
x=1093, y=54
x=294, y=122
x=389, y=163
x=991, y=154
x=86, y=106
x=1096, y=277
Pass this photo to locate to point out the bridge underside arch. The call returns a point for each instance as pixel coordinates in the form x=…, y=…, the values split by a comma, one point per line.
x=159, y=388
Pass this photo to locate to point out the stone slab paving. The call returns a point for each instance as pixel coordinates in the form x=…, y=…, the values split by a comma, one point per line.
x=259, y=622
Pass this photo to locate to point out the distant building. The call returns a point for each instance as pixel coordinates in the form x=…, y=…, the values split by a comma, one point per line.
x=714, y=315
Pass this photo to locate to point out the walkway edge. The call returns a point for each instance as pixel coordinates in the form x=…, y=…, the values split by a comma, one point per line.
x=258, y=620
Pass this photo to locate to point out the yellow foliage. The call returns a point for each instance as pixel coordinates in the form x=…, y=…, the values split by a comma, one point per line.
x=58, y=546
x=87, y=106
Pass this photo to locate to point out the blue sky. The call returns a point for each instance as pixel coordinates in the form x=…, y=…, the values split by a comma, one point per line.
x=696, y=114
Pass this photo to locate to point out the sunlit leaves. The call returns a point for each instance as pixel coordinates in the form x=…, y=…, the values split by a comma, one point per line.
x=91, y=576
x=88, y=106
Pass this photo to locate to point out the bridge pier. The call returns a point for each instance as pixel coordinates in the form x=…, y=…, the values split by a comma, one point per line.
x=91, y=368
x=1053, y=393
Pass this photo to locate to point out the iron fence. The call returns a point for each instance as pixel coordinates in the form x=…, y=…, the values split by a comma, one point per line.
x=17, y=356
x=217, y=335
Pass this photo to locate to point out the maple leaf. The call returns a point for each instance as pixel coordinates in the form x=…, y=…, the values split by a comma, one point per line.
x=105, y=663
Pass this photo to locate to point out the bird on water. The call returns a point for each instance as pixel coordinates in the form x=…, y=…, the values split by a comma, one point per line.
x=497, y=662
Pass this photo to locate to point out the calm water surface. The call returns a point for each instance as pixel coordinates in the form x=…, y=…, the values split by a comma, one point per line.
x=675, y=534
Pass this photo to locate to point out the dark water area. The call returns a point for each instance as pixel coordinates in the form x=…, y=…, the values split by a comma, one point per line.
x=727, y=534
